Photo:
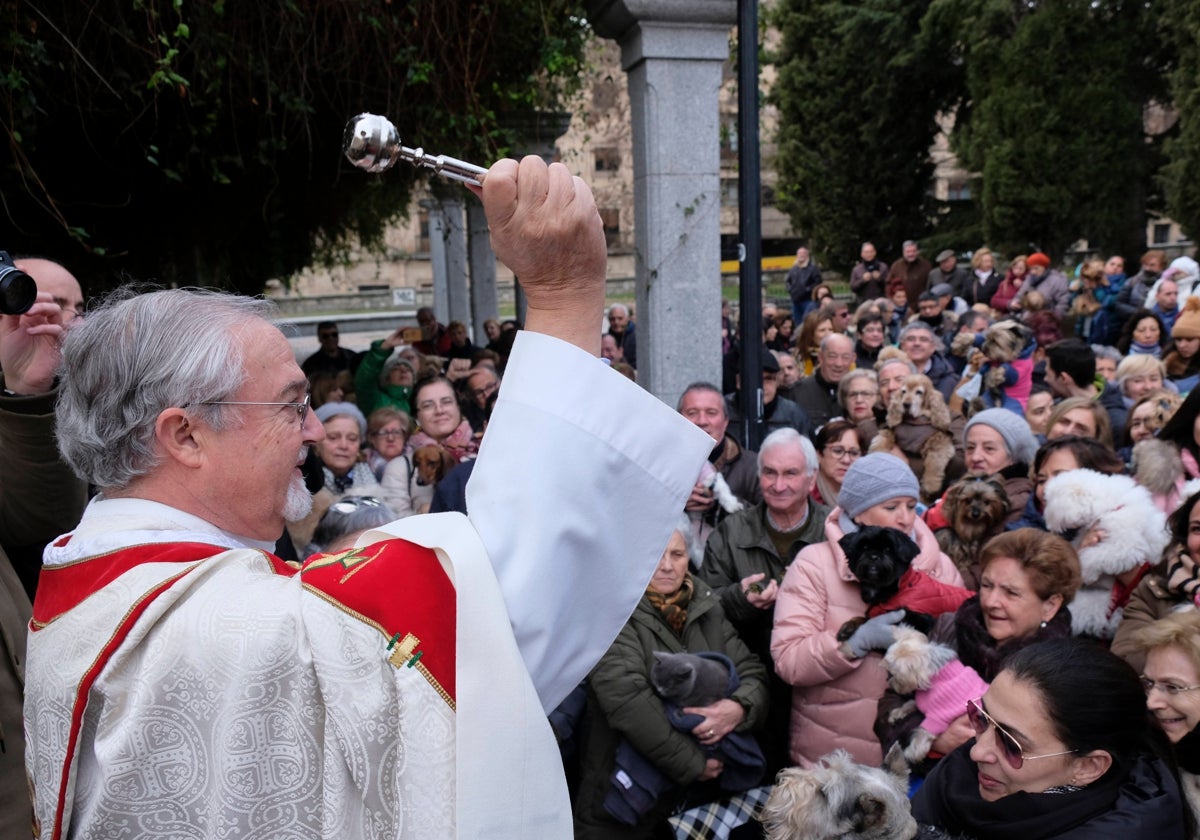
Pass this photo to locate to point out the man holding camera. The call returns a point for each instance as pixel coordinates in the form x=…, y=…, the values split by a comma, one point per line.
x=39, y=497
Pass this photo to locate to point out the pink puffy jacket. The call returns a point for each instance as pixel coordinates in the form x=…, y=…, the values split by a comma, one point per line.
x=834, y=698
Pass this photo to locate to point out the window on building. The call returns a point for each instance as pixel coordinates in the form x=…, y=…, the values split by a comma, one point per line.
x=729, y=141
x=958, y=190
x=423, y=231
x=1161, y=234
x=729, y=192
x=604, y=95
x=608, y=159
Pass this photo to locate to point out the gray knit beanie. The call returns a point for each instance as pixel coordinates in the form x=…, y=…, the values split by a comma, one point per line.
x=1022, y=446
x=333, y=409
x=875, y=478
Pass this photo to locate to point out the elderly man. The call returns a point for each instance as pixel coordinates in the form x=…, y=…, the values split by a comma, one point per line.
x=778, y=411
x=624, y=332
x=747, y=554
x=949, y=272
x=868, y=275
x=802, y=278
x=58, y=282
x=911, y=271
x=817, y=394
x=923, y=349
x=179, y=675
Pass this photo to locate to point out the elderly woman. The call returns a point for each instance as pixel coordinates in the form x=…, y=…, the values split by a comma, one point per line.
x=1080, y=416
x=838, y=446
x=985, y=280
x=1062, y=749
x=834, y=695
x=871, y=330
x=857, y=392
x=1026, y=580
x=678, y=614
x=1138, y=376
x=340, y=451
x=388, y=430
x=999, y=442
x=1170, y=649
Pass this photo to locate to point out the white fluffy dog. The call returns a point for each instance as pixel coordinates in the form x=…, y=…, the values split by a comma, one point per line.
x=841, y=799
x=1115, y=526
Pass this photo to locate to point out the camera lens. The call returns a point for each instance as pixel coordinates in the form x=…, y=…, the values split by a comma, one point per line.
x=17, y=289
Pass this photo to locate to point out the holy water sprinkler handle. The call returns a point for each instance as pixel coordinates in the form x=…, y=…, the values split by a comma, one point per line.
x=372, y=143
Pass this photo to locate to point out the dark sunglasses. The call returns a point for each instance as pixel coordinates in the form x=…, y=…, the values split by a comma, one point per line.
x=981, y=721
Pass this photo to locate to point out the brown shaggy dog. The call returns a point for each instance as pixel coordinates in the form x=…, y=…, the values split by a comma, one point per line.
x=918, y=424
x=976, y=508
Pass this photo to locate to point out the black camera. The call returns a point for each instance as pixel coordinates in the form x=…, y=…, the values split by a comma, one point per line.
x=17, y=289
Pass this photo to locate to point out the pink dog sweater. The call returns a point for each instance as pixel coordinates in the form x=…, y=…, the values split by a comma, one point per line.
x=947, y=695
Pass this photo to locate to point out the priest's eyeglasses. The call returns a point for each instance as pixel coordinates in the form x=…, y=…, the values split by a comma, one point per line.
x=301, y=408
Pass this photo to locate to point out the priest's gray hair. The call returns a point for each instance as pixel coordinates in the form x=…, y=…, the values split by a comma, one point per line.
x=139, y=353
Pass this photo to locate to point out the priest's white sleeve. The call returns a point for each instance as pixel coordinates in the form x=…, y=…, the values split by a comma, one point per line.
x=581, y=478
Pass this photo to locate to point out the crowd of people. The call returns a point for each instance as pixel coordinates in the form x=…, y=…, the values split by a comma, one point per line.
x=1019, y=446
x=971, y=534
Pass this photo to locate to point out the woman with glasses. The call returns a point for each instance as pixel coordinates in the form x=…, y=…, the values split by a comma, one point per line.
x=1171, y=678
x=440, y=419
x=1061, y=748
x=1026, y=580
x=858, y=392
x=838, y=446
x=388, y=430
x=872, y=336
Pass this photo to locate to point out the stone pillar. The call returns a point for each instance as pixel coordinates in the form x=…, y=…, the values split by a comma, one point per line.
x=437, y=260
x=482, y=259
x=673, y=51
x=458, y=297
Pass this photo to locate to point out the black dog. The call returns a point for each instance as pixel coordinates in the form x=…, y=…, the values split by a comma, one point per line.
x=879, y=557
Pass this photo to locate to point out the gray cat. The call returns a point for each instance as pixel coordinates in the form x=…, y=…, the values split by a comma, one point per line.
x=686, y=679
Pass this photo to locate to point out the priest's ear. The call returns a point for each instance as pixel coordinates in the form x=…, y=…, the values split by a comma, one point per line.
x=179, y=437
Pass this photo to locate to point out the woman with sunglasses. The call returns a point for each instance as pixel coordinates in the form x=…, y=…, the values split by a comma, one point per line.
x=1061, y=749
x=1026, y=580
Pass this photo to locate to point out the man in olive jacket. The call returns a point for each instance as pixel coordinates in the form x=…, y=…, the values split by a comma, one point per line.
x=746, y=556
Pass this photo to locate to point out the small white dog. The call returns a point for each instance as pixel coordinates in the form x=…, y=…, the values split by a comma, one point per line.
x=1114, y=525
x=841, y=799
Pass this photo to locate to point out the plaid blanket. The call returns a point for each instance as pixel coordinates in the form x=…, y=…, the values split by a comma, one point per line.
x=715, y=820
